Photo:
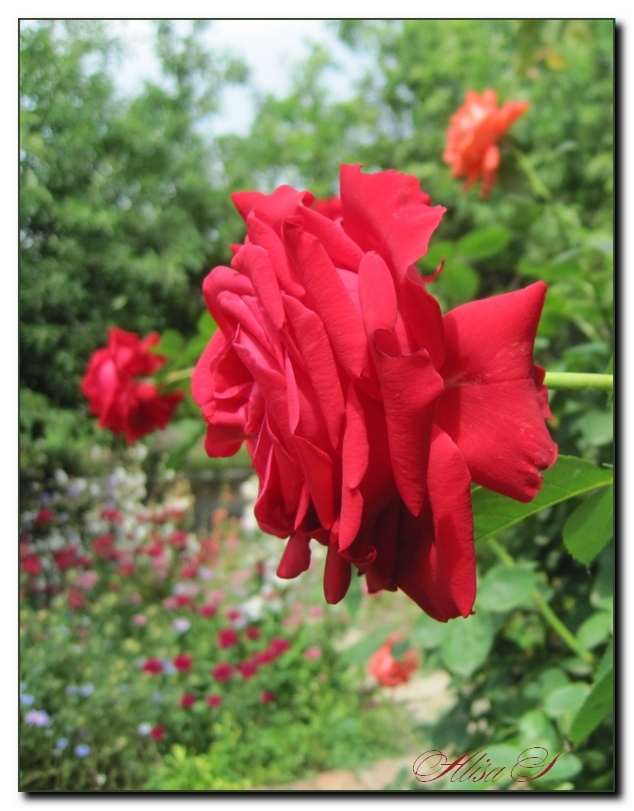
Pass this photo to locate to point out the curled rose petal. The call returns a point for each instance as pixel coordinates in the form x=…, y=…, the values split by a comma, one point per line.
x=367, y=413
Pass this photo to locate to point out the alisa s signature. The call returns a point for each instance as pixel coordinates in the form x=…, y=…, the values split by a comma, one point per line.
x=475, y=766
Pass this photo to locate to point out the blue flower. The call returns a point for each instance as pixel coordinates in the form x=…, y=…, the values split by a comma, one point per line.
x=27, y=699
x=87, y=690
x=60, y=743
x=82, y=750
x=71, y=691
x=144, y=728
x=37, y=718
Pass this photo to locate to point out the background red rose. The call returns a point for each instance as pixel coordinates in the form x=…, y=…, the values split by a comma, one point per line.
x=122, y=403
x=367, y=414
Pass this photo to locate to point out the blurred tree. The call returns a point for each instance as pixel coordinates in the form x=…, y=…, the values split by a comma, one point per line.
x=123, y=202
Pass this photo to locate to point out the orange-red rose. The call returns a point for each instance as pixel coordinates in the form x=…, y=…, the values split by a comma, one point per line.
x=388, y=670
x=472, y=137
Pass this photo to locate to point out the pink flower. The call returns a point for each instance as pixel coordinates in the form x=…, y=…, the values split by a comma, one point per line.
x=214, y=700
x=104, y=547
x=227, y=637
x=76, y=599
x=233, y=614
x=178, y=539
x=187, y=700
x=222, y=672
x=139, y=619
x=252, y=633
x=135, y=598
x=158, y=732
x=87, y=580
x=170, y=602
x=266, y=697
x=312, y=653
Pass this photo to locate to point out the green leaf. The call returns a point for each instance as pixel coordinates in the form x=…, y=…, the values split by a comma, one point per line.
x=607, y=662
x=566, y=700
x=484, y=242
x=361, y=651
x=547, y=271
x=435, y=254
x=193, y=431
x=594, y=630
x=597, y=427
x=547, y=682
x=459, y=281
x=590, y=526
x=467, y=643
x=535, y=729
x=399, y=648
x=504, y=588
x=171, y=344
x=206, y=325
x=427, y=632
x=569, y=477
x=594, y=709
x=352, y=600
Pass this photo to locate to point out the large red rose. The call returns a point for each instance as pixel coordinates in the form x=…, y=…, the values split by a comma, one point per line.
x=124, y=404
x=472, y=137
x=366, y=413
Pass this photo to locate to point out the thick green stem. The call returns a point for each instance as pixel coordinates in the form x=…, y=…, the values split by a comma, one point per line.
x=574, y=380
x=549, y=615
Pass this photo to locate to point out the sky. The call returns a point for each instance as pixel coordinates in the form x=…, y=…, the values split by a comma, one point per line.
x=269, y=47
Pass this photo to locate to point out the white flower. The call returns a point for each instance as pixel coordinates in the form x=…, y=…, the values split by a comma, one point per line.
x=181, y=624
x=61, y=478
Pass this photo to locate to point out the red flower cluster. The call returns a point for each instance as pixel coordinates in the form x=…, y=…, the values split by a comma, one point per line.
x=187, y=700
x=208, y=610
x=68, y=558
x=158, y=732
x=43, y=516
x=472, y=138
x=367, y=413
x=124, y=404
x=30, y=563
x=104, y=547
x=154, y=666
x=227, y=637
x=388, y=670
x=183, y=662
x=222, y=672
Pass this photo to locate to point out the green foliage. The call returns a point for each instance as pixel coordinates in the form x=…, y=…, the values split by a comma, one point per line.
x=122, y=207
x=568, y=477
